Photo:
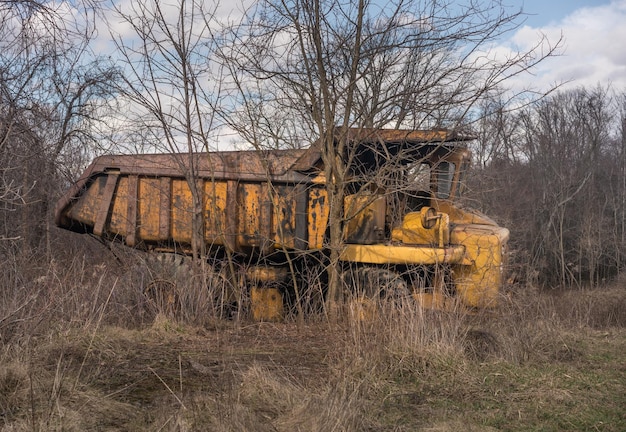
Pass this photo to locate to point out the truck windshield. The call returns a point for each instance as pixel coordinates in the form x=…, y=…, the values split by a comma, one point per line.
x=444, y=171
x=418, y=177
x=438, y=178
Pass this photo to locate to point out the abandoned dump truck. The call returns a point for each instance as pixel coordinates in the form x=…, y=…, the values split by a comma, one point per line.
x=270, y=211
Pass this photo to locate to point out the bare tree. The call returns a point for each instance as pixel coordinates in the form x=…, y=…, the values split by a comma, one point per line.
x=620, y=196
x=172, y=85
x=358, y=64
x=53, y=92
x=552, y=171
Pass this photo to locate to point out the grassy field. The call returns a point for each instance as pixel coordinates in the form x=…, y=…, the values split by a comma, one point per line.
x=76, y=355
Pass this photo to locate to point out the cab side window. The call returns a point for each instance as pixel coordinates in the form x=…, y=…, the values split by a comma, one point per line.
x=444, y=172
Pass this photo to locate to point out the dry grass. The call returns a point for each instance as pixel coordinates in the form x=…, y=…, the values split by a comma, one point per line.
x=81, y=349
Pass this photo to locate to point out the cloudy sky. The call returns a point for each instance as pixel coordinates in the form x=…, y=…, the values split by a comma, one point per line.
x=593, y=33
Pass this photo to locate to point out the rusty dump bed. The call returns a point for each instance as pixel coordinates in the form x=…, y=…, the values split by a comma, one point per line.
x=145, y=199
x=250, y=199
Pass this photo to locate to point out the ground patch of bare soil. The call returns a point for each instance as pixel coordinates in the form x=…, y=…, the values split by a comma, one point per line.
x=139, y=365
x=168, y=375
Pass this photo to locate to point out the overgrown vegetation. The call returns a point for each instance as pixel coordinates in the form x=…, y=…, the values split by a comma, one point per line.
x=554, y=173
x=80, y=353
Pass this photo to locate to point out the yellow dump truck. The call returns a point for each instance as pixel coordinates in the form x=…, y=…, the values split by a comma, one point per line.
x=270, y=210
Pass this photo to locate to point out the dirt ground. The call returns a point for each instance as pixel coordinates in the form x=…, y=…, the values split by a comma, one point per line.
x=140, y=365
x=164, y=376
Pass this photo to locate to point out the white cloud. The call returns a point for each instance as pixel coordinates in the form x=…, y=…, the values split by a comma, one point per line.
x=592, y=49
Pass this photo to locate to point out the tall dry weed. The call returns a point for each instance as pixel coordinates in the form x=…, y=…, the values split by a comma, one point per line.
x=531, y=324
x=404, y=340
x=333, y=405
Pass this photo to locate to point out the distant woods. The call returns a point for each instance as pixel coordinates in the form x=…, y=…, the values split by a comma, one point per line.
x=55, y=95
x=554, y=173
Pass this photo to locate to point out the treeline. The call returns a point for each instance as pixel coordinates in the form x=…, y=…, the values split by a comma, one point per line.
x=554, y=173
x=54, y=93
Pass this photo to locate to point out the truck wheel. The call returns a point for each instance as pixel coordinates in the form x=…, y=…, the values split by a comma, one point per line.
x=225, y=291
x=161, y=278
x=162, y=298
x=172, y=285
x=376, y=283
